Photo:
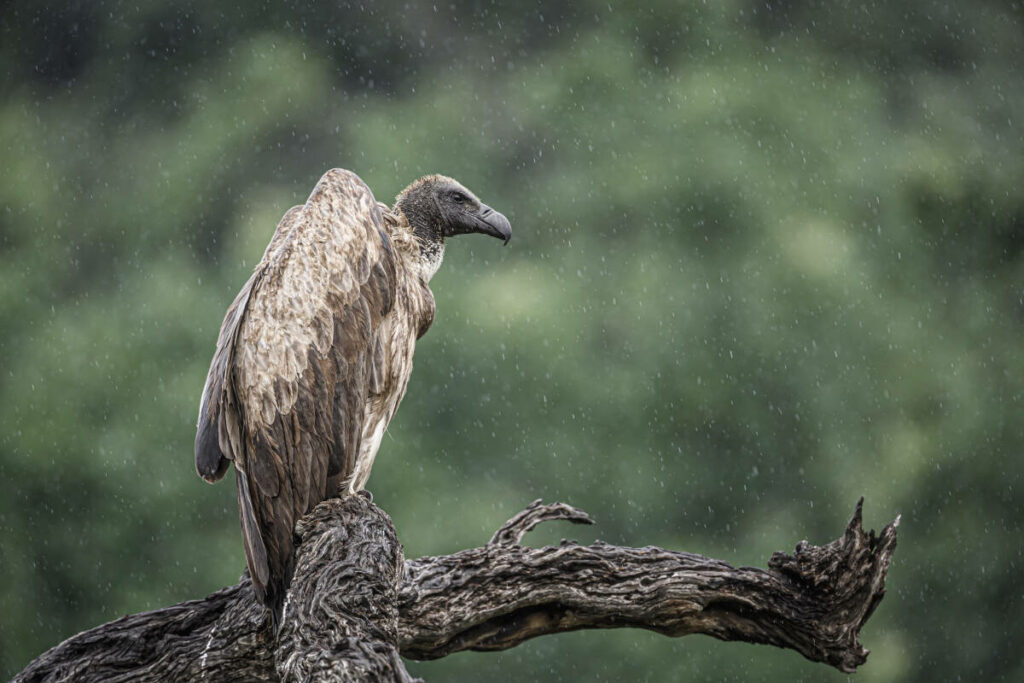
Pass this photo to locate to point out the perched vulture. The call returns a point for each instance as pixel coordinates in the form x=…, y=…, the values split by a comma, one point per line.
x=316, y=350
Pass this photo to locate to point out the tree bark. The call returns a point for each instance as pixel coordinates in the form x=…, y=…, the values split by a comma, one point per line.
x=354, y=604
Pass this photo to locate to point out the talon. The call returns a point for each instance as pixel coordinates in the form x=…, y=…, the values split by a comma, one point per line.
x=365, y=494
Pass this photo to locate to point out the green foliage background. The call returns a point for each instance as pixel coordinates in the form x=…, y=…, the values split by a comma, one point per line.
x=768, y=258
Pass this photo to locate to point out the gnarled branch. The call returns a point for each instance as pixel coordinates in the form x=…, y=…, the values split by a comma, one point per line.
x=495, y=597
x=351, y=608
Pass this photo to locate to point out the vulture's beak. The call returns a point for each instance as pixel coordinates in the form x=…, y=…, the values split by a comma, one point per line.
x=492, y=223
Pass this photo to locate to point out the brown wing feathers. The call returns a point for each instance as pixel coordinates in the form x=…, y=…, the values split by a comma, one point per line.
x=296, y=355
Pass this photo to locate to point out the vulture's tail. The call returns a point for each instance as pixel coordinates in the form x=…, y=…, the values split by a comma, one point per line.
x=256, y=552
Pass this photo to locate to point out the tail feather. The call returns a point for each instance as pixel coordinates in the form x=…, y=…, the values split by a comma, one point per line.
x=255, y=550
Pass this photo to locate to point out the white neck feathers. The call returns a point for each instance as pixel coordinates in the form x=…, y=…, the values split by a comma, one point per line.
x=431, y=254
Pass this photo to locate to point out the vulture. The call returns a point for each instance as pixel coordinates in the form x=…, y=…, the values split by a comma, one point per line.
x=315, y=353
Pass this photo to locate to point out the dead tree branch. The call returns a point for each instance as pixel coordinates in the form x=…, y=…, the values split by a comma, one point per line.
x=354, y=605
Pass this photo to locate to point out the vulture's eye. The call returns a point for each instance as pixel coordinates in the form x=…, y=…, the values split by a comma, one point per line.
x=459, y=197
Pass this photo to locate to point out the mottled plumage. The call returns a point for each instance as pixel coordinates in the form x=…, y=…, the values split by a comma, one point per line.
x=316, y=350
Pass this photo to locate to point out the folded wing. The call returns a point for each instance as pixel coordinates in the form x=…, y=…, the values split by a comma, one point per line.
x=297, y=356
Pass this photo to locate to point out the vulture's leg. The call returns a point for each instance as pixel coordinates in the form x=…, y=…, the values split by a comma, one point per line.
x=336, y=486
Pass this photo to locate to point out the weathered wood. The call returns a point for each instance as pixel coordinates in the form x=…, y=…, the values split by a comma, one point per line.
x=340, y=622
x=495, y=597
x=351, y=608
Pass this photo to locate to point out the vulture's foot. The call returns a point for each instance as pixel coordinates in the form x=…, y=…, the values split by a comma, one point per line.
x=365, y=494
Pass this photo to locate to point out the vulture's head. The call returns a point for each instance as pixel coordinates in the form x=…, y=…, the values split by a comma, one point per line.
x=437, y=207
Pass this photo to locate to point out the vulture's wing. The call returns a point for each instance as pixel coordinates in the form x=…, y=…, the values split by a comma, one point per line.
x=297, y=353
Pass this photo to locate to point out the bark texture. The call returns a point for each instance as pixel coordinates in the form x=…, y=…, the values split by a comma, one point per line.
x=354, y=605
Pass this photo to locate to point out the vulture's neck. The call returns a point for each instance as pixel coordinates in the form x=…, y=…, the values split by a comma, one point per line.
x=429, y=241
x=431, y=253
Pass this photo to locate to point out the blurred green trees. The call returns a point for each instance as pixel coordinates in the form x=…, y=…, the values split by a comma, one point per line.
x=767, y=258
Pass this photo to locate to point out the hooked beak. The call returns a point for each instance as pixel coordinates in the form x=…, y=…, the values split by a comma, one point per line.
x=490, y=222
